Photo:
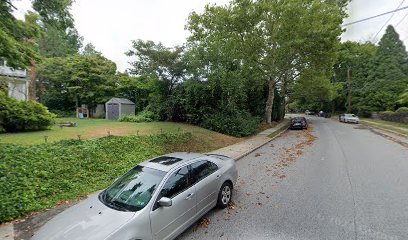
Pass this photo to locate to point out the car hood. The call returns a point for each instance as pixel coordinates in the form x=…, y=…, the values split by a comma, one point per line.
x=89, y=219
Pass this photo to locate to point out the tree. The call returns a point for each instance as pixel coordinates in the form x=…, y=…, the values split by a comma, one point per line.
x=61, y=38
x=389, y=76
x=90, y=50
x=403, y=99
x=359, y=60
x=264, y=36
x=165, y=66
x=18, y=38
x=78, y=80
x=314, y=91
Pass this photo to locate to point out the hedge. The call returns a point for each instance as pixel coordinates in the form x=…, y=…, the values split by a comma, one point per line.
x=38, y=176
x=400, y=116
x=233, y=122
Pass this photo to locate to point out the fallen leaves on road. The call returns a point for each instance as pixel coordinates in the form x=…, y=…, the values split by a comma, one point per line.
x=202, y=223
x=292, y=153
x=231, y=205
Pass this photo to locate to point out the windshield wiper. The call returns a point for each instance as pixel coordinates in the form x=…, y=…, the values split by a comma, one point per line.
x=112, y=204
x=119, y=205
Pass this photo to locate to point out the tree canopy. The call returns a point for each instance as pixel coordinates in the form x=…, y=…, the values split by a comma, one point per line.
x=378, y=74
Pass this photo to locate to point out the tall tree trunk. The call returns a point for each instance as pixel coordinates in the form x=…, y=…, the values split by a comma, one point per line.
x=33, y=77
x=284, y=94
x=269, y=101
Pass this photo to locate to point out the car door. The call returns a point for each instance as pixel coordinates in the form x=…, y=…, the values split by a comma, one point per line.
x=205, y=176
x=168, y=222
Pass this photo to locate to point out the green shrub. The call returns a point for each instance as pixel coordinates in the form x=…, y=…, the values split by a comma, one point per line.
x=38, y=176
x=387, y=113
x=134, y=118
x=18, y=116
x=143, y=116
x=402, y=110
x=233, y=122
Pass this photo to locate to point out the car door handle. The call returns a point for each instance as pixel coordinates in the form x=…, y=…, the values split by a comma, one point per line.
x=189, y=196
x=218, y=176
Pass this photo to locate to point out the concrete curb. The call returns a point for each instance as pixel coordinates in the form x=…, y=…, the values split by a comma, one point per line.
x=270, y=140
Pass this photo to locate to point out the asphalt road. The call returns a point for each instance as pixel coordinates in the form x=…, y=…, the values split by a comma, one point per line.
x=348, y=183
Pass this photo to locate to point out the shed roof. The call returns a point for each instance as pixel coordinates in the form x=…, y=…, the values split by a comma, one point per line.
x=121, y=101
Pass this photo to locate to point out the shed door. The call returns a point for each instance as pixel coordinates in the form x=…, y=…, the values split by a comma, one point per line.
x=113, y=111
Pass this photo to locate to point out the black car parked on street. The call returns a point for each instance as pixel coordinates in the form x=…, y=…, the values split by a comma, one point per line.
x=298, y=123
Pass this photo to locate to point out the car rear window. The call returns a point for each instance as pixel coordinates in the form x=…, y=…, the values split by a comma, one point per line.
x=298, y=119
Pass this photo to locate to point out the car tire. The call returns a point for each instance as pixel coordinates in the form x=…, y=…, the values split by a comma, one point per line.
x=225, y=195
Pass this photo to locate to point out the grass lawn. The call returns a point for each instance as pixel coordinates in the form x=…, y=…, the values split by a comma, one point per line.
x=393, y=126
x=97, y=128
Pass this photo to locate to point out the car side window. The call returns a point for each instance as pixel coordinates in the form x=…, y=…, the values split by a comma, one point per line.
x=202, y=169
x=176, y=183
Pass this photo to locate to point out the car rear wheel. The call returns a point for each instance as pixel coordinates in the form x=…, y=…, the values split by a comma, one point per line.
x=224, y=196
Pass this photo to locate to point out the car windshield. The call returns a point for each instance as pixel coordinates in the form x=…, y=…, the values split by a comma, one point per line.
x=133, y=190
x=350, y=115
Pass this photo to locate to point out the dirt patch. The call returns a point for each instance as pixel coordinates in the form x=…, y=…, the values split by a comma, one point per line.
x=207, y=143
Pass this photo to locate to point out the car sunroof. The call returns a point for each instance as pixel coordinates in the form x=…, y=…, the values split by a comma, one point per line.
x=166, y=160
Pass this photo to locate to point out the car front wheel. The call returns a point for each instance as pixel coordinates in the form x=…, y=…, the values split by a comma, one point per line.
x=224, y=196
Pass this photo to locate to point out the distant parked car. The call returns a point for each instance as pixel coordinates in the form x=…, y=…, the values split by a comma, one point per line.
x=157, y=199
x=327, y=115
x=349, y=118
x=307, y=112
x=298, y=123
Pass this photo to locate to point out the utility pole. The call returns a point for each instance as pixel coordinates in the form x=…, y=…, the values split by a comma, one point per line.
x=349, y=90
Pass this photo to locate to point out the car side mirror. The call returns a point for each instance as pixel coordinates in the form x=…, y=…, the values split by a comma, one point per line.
x=165, y=202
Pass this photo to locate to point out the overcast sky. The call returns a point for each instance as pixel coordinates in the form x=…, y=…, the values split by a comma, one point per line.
x=111, y=25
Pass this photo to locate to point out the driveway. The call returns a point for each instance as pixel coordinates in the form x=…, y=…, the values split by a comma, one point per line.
x=335, y=181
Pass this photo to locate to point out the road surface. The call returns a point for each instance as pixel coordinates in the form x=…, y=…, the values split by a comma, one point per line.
x=334, y=181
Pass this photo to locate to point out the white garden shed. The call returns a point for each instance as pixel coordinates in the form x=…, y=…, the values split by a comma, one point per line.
x=118, y=107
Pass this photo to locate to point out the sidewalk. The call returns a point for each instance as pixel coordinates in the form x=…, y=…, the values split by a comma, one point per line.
x=235, y=151
x=241, y=149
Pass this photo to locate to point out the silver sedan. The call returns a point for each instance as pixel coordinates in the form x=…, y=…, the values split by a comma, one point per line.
x=158, y=199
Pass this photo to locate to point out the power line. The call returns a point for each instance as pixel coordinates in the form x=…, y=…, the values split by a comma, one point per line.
x=385, y=24
x=401, y=20
x=376, y=16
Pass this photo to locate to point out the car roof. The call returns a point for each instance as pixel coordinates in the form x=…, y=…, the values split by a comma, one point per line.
x=168, y=161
